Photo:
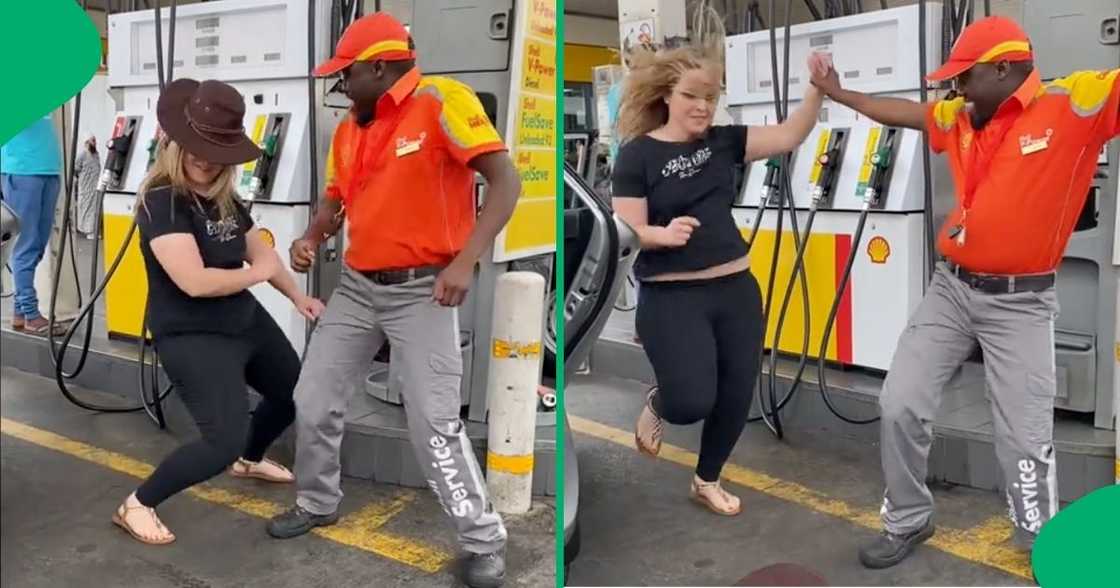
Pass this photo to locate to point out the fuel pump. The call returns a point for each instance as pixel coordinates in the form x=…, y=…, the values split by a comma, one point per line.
x=829, y=156
x=878, y=172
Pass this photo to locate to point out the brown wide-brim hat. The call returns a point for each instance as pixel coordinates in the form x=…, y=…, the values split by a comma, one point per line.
x=207, y=119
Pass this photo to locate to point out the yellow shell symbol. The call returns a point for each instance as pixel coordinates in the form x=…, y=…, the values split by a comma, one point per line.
x=267, y=237
x=878, y=249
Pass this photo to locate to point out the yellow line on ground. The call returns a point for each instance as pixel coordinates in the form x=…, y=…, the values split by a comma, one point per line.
x=987, y=543
x=359, y=529
x=978, y=545
x=355, y=530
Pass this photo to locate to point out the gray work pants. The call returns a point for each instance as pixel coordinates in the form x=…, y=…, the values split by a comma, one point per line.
x=1016, y=334
x=424, y=336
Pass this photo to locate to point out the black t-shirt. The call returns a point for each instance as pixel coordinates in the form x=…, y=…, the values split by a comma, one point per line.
x=221, y=243
x=694, y=178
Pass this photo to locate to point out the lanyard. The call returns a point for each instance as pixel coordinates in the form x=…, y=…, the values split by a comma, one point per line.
x=979, y=163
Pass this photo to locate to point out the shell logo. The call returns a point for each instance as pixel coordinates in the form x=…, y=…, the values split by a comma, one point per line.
x=878, y=249
x=268, y=237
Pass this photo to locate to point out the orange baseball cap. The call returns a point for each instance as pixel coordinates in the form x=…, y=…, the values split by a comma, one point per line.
x=994, y=38
x=377, y=36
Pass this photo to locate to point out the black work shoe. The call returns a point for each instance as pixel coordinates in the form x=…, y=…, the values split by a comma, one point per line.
x=888, y=549
x=296, y=521
x=485, y=570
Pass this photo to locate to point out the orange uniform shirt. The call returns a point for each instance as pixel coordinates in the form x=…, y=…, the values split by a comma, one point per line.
x=1025, y=176
x=404, y=179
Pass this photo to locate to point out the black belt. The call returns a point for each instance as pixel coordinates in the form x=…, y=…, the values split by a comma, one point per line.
x=401, y=276
x=999, y=284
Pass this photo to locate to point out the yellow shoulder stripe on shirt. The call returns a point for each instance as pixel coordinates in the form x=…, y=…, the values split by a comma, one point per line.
x=461, y=114
x=945, y=113
x=1088, y=91
x=331, y=172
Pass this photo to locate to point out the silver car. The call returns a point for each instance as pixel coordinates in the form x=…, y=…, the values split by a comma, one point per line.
x=599, y=250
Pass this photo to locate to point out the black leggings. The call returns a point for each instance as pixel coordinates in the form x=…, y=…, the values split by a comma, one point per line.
x=210, y=372
x=703, y=338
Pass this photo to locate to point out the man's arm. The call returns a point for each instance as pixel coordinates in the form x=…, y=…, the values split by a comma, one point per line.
x=892, y=112
x=503, y=189
x=326, y=222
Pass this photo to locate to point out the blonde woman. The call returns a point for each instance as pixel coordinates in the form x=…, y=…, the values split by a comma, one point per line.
x=214, y=338
x=699, y=313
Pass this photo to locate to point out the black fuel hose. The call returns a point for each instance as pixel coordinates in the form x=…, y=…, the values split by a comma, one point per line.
x=822, y=369
x=772, y=417
x=150, y=395
x=86, y=314
x=798, y=272
x=313, y=145
x=927, y=164
x=775, y=428
x=803, y=360
x=52, y=314
x=70, y=234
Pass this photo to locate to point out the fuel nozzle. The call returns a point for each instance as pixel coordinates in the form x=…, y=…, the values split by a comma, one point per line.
x=115, y=159
x=153, y=150
x=828, y=162
x=770, y=180
x=880, y=163
x=264, y=164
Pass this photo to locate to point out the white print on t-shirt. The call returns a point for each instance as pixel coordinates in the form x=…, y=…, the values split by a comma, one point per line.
x=222, y=230
x=686, y=166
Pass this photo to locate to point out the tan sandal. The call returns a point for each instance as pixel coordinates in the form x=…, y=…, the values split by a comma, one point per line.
x=712, y=496
x=649, y=428
x=120, y=518
x=266, y=470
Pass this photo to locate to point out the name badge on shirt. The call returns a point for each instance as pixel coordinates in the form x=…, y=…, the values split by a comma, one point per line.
x=1028, y=145
x=407, y=147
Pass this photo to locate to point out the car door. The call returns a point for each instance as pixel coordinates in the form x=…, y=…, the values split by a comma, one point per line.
x=599, y=250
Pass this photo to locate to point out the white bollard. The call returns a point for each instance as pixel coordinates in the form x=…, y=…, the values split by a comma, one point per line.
x=515, y=367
